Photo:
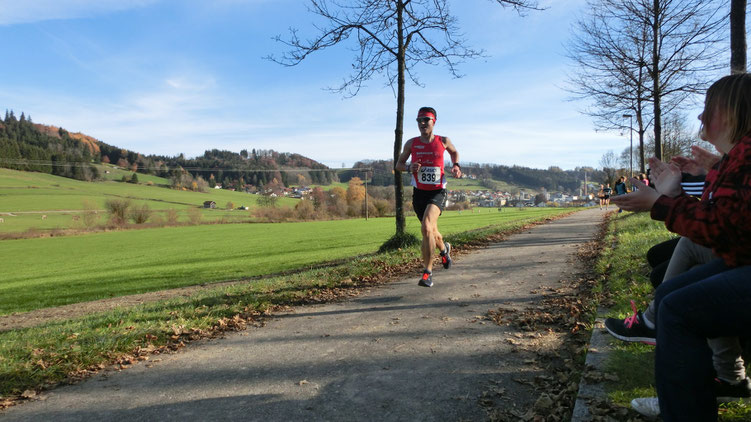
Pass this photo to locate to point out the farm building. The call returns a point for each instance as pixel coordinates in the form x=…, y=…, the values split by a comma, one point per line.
x=209, y=204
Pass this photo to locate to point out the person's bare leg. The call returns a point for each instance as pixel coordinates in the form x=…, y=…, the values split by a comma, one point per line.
x=431, y=238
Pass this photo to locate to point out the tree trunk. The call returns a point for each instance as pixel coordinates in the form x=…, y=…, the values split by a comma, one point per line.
x=655, y=73
x=737, y=36
x=399, y=131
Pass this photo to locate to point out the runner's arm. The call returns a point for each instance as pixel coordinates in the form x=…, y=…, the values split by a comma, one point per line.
x=456, y=170
x=401, y=163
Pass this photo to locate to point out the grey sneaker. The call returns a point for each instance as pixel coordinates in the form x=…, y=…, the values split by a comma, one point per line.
x=647, y=406
x=426, y=280
x=446, y=255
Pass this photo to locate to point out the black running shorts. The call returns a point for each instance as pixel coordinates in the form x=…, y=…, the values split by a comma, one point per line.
x=422, y=198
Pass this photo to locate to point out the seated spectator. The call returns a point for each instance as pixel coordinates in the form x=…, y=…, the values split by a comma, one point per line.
x=712, y=300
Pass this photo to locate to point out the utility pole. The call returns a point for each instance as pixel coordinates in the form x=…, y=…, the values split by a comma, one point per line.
x=631, y=134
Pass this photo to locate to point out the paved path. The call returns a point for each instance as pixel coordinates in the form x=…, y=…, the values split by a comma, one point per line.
x=399, y=352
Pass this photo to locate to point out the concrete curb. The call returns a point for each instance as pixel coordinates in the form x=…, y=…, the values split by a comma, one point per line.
x=597, y=354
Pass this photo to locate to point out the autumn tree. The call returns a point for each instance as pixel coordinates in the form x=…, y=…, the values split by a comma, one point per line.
x=319, y=197
x=305, y=210
x=391, y=37
x=355, y=191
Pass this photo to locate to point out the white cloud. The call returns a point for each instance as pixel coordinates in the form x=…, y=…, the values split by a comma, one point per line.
x=29, y=11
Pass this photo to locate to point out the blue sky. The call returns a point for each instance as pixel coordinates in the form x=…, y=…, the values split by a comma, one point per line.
x=183, y=76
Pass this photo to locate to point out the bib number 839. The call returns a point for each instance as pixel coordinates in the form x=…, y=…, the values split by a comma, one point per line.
x=425, y=178
x=430, y=175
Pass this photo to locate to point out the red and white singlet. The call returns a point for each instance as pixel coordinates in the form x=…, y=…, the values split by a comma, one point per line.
x=430, y=156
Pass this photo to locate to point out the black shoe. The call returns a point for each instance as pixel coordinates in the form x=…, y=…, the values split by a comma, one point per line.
x=426, y=280
x=446, y=255
x=631, y=328
x=727, y=392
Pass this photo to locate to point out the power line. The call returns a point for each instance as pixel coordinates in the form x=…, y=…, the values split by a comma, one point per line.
x=47, y=163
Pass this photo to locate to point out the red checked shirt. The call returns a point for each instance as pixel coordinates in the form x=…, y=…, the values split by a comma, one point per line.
x=722, y=219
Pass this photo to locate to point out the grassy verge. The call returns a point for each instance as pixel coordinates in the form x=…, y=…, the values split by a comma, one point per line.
x=34, y=358
x=623, y=262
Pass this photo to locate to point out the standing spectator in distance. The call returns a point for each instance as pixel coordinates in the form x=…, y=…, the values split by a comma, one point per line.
x=620, y=188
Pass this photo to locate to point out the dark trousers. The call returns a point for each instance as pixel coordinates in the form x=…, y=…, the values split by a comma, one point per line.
x=658, y=257
x=708, y=301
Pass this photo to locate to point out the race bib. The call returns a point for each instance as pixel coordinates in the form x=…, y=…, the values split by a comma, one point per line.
x=429, y=175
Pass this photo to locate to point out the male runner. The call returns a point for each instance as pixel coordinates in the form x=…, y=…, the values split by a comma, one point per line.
x=429, y=181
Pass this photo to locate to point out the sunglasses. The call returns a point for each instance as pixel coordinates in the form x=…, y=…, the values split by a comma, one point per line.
x=423, y=119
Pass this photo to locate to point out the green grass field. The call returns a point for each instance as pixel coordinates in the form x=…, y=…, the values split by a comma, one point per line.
x=26, y=196
x=114, y=173
x=466, y=183
x=55, y=271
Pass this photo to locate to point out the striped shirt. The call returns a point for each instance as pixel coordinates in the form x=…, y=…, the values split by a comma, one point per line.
x=693, y=185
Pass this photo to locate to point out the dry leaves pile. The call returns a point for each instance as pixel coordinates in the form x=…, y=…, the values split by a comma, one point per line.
x=552, y=338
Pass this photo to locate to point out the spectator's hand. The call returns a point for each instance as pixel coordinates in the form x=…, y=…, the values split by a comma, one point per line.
x=640, y=200
x=666, y=177
x=689, y=165
x=705, y=158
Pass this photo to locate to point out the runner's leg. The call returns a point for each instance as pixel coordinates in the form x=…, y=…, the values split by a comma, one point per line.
x=430, y=234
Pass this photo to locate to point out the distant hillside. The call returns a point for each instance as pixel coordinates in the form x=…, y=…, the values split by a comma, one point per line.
x=29, y=146
x=552, y=179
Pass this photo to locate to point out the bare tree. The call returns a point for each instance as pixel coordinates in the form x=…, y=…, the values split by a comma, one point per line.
x=738, y=36
x=609, y=163
x=391, y=38
x=678, y=137
x=645, y=55
x=610, y=61
x=684, y=36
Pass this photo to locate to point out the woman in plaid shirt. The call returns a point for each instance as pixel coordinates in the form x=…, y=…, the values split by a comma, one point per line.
x=713, y=300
